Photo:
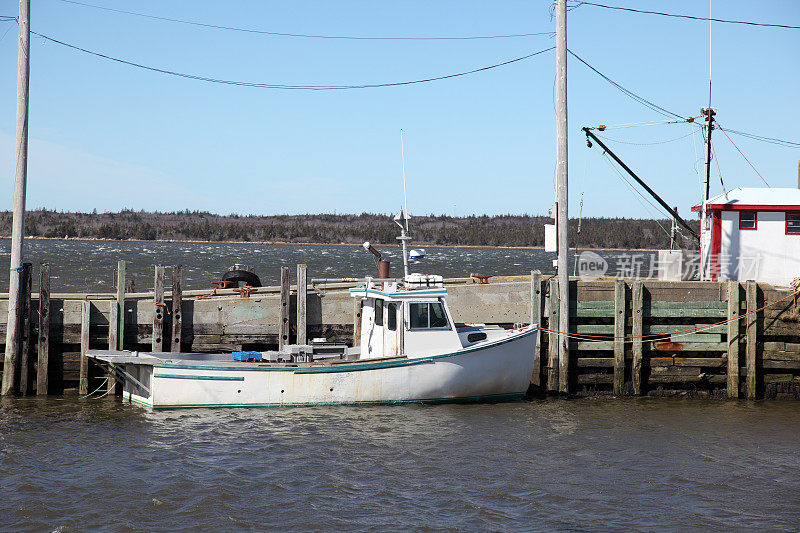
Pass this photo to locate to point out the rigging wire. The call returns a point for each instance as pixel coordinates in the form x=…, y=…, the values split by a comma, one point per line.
x=716, y=161
x=678, y=15
x=646, y=144
x=645, y=102
x=772, y=140
x=305, y=35
x=288, y=87
x=745, y=157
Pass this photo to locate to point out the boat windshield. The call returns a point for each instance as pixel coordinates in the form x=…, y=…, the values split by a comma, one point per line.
x=428, y=316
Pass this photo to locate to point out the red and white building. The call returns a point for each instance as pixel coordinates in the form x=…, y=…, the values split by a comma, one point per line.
x=751, y=234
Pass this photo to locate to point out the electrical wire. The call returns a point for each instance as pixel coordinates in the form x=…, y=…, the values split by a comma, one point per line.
x=645, y=102
x=288, y=87
x=745, y=157
x=304, y=35
x=771, y=140
x=719, y=171
x=677, y=15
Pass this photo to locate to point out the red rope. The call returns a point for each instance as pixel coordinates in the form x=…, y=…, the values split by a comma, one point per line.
x=745, y=157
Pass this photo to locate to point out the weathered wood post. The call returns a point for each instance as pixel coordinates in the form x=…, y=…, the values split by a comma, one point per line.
x=733, y=339
x=357, y=303
x=83, y=383
x=177, y=304
x=158, y=311
x=44, y=331
x=120, y=305
x=25, y=322
x=536, y=318
x=752, y=302
x=637, y=300
x=552, y=339
x=113, y=332
x=619, y=336
x=283, y=326
x=302, y=299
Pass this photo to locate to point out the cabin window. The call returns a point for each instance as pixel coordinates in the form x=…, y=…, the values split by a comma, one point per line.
x=427, y=316
x=793, y=223
x=378, y=312
x=391, y=322
x=475, y=337
x=747, y=220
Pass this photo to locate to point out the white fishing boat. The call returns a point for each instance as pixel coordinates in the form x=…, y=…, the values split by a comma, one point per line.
x=411, y=350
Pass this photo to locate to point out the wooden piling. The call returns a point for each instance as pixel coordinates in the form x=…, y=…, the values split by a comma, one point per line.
x=158, y=311
x=733, y=339
x=120, y=305
x=552, y=340
x=619, y=334
x=536, y=318
x=27, y=329
x=113, y=333
x=302, y=299
x=83, y=380
x=357, y=304
x=283, y=326
x=637, y=300
x=177, y=306
x=750, y=349
x=42, y=367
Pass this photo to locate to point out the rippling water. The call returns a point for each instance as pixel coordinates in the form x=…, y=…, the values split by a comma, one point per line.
x=543, y=465
x=89, y=266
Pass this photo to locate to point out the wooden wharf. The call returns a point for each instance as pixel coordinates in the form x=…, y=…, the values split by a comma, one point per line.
x=628, y=337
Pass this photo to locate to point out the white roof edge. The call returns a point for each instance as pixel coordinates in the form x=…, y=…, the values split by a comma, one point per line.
x=759, y=196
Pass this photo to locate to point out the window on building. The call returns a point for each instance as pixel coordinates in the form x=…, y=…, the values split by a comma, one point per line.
x=378, y=312
x=747, y=220
x=428, y=316
x=793, y=223
x=391, y=320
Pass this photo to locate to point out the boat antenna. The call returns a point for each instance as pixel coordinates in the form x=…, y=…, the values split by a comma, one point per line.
x=402, y=217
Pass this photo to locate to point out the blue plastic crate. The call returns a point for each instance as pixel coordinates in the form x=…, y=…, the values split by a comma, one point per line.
x=254, y=357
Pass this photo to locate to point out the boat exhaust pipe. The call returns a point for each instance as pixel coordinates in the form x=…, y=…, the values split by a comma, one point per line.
x=383, y=266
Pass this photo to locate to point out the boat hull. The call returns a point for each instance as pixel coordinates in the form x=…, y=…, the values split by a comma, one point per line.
x=497, y=371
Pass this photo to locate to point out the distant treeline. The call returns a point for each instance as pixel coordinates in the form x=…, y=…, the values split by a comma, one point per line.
x=483, y=230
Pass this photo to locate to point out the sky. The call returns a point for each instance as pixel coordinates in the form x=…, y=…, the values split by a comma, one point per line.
x=107, y=136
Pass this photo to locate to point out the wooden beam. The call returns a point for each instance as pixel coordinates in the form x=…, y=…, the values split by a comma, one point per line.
x=637, y=300
x=619, y=333
x=302, y=299
x=552, y=340
x=750, y=349
x=564, y=353
x=177, y=307
x=158, y=311
x=283, y=325
x=357, y=304
x=83, y=379
x=42, y=367
x=27, y=330
x=113, y=332
x=733, y=339
x=120, y=305
x=536, y=318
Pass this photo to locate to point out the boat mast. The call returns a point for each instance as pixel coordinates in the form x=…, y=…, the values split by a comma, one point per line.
x=708, y=112
x=403, y=222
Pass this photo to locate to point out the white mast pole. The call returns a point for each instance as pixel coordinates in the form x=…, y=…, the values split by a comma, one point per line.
x=404, y=227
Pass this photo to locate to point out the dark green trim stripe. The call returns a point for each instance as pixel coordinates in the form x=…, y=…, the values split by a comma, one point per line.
x=355, y=367
x=460, y=399
x=210, y=378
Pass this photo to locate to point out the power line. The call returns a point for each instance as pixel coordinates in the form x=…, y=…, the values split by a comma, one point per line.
x=631, y=94
x=305, y=35
x=677, y=15
x=282, y=86
x=745, y=157
x=771, y=140
x=646, y=144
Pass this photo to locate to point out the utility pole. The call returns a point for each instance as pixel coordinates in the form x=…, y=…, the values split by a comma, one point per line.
x=14, y=329
x=563, y=197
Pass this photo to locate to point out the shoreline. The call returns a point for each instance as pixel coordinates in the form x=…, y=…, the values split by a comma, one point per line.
x=283, y=243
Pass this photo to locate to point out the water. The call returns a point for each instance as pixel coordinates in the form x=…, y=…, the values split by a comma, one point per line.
x=71, y=465
x=89, y=266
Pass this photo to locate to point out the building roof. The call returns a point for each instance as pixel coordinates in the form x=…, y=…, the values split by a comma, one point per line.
x=756, y=198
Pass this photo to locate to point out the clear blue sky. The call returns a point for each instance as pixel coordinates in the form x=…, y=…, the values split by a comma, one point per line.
x=108, y=136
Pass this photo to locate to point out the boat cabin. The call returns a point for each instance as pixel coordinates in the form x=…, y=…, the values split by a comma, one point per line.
x=752, y=234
